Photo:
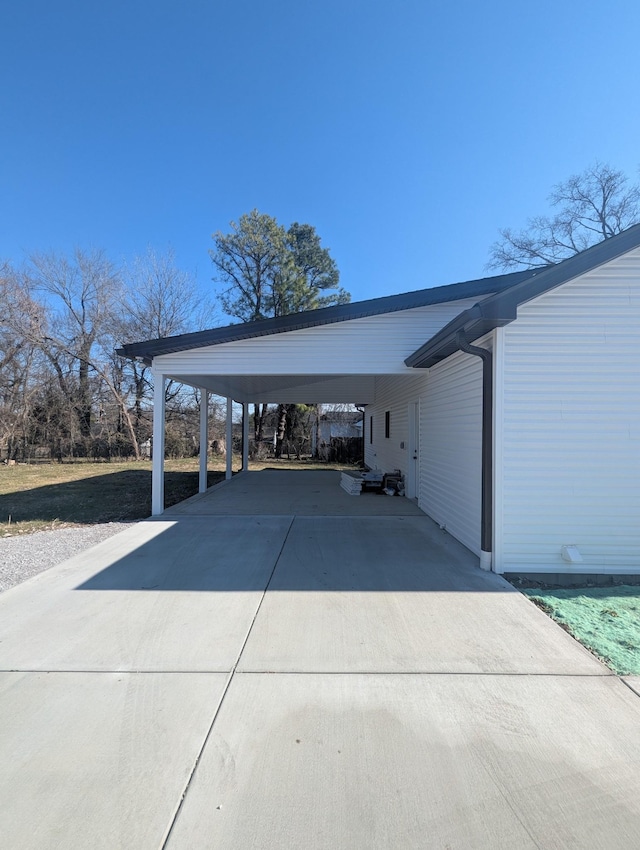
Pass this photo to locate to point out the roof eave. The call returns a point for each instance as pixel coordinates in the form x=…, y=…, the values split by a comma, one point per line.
x=148, y=349
x=501, y=308
x=475, y=322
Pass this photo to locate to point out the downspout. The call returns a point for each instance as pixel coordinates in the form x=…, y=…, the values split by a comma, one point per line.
x=486, y=543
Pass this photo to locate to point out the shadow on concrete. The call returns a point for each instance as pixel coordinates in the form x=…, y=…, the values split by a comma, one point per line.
x=292, y=492
x=112, y=497
x=323, y=554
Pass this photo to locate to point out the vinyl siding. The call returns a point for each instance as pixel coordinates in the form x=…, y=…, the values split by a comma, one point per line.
x=376, y=345
x=393, y=394
x=451, y=446
x=571, y=426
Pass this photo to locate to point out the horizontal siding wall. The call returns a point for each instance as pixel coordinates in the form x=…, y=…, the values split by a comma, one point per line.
x=451, y=447
x=393, y=395
x=571, y=441
x=374, y=345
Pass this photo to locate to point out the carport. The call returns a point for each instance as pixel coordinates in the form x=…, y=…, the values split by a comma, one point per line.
x=262, y=388
x=330, y=356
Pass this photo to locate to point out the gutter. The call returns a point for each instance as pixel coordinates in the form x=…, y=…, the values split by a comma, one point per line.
x=473, y=323
x=486, y=544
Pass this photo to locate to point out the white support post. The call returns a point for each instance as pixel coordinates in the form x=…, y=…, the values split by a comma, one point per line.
x=157, y=471
x=245, y=437
x=204, y=439
x=229, y=471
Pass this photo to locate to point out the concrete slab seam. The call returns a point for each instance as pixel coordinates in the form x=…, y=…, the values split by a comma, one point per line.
x=476, y=673
x=199, y=496
x=225, y=690
x=630, y=686
x=510, y=675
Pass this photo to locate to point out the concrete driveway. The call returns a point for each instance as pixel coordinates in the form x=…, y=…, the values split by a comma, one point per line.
x=272, y=667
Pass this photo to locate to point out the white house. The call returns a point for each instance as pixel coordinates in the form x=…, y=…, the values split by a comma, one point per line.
x=338, y=424
x=510, y=403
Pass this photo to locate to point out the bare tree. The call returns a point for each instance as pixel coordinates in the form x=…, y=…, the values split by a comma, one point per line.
x=62, y=386
x=162, y=300
x=21, y=368
x=591, y=206
x=80, y=294
x=79, y=298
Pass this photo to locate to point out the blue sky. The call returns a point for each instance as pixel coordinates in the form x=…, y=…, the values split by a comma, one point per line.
x=407, y=133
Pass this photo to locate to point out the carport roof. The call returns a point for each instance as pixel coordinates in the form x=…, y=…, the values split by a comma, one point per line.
x=499, y=298
x=149, y=349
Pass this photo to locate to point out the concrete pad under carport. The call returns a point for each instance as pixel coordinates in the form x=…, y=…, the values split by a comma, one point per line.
x=387, y=761
x=99, y=760
x=398, y=594
x=160, y=596
x=295, y=492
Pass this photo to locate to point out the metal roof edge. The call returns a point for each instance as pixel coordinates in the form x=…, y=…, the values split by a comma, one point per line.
x=501, y=308
x=553, y=276
x=148, y=349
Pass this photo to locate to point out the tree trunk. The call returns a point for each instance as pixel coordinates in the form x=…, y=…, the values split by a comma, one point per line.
x=139, y=384
x=318, y=413
x=282, y=428
x=126, y=416
x=84, y=393
x=259, y=415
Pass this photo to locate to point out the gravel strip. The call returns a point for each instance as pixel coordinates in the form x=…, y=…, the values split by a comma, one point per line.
x=24, y=556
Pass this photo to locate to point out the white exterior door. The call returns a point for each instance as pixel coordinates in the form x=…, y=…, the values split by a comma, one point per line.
x=413, y=449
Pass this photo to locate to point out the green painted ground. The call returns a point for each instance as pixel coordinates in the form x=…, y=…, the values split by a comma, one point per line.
x=604, y=619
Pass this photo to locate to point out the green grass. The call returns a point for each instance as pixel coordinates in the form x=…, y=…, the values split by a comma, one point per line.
x=604, y=619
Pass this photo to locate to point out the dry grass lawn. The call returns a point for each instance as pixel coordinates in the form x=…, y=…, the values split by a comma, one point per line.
x=41, y=496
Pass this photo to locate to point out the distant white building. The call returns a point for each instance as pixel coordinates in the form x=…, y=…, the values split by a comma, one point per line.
x=335, y=425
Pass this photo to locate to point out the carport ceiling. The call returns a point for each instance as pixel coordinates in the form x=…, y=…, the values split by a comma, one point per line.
x=287, y=389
